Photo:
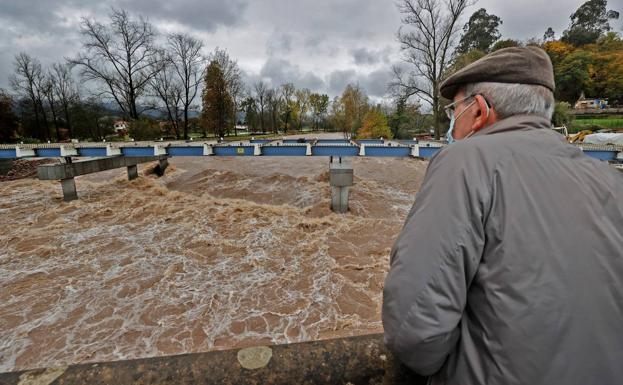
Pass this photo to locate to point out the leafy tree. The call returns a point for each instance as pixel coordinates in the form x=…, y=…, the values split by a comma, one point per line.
x=144, y=129
x=399, y=118
x=351, y=109
x=8, y=119
x=287, y=103
x=319, y=105
x=302, y=104
x=596, y=69
x=572, y=75
x=606, y=72
x=561, y=115
x=218, y=106
x=251, y=115
x=506, y=43
x=480, y=32
x=465, y=59
x=589, y=22
x=558, y=51
x=233, y=79
x=374, y=126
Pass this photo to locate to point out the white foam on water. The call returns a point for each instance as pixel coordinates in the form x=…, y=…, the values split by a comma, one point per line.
x=204, y=258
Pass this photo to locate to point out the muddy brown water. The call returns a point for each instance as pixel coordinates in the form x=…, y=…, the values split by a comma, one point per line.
x=219, y=253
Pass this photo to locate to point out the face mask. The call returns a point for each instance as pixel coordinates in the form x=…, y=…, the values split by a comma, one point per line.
x=449, y=135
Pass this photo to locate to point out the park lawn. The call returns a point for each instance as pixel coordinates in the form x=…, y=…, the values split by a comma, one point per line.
x=577, y=125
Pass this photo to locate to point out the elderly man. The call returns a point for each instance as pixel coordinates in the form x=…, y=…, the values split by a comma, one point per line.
x=509, y=268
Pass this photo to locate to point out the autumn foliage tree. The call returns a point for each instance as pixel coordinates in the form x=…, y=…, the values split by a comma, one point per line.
x=595, y=69
x=218, y=106
x=374, y=126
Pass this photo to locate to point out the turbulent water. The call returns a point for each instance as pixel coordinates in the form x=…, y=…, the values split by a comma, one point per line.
x=219, y=253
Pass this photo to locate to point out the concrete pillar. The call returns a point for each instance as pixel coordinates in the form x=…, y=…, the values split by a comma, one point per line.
x=340, y=179
x=69, y=189
x=162, y=165
x=132, y=172
x=5, y=166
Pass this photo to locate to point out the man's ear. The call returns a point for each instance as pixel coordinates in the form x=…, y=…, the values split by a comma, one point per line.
x=482, y=113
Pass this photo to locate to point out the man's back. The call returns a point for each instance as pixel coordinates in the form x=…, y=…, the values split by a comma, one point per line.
x=543, y=303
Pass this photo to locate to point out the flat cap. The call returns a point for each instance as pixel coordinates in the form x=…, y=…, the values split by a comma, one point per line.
x=524, y=65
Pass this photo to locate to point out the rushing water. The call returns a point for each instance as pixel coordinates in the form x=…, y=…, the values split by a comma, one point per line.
x=219, y=253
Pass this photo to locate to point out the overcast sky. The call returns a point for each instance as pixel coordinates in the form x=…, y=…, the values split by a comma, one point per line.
x=319, y=44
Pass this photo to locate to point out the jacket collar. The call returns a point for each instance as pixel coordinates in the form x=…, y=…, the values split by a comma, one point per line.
x=515, y=122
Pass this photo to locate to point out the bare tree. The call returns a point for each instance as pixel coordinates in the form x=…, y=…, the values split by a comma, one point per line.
x=64, y=90
x=50, y=97
x=189, y=64
x=121, y=56
x=233, y=79
x=260, y=98
x=273, y=101
x=427, y=38
x=167, y=86
x=29, y=81
x=287, y=92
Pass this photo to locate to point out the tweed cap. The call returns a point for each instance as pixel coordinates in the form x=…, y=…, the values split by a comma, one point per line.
x=524, y=65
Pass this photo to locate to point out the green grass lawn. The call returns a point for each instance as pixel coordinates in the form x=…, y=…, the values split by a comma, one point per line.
x=595, y=124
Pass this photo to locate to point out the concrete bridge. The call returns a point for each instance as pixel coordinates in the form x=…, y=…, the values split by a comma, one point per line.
x=263, y=147
x=130, y=154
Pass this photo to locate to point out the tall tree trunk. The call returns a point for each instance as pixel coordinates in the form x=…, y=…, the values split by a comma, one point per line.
x=55, y=120
x=66, y=110
x=185, y=123
x=45, y=122
x=436, y=115
x=37, y=122
x=262, y=119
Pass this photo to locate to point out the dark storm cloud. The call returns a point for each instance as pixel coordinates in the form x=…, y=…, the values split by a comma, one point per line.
x=198, y=14
x=374, y=83
x=364, y=56
x=279, y=71
x=320, y=44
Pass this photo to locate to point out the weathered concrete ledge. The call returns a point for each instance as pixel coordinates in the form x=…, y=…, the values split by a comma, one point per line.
x=67, y=171
x=355, y=360
x=70, y=170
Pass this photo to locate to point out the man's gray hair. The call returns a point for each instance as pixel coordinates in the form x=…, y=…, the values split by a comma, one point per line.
x=510, y=99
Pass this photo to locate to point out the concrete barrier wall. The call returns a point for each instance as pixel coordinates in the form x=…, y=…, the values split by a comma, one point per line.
x=362, y=360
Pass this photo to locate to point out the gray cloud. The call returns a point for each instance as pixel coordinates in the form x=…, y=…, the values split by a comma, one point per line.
x=338, y=80
x=319, y=44
x=279, y=71
x=200, y=15
x=375, y=83
x=279, y=43
x=364, y=56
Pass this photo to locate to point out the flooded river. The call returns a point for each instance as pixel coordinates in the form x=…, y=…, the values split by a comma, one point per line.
x=219, y=253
